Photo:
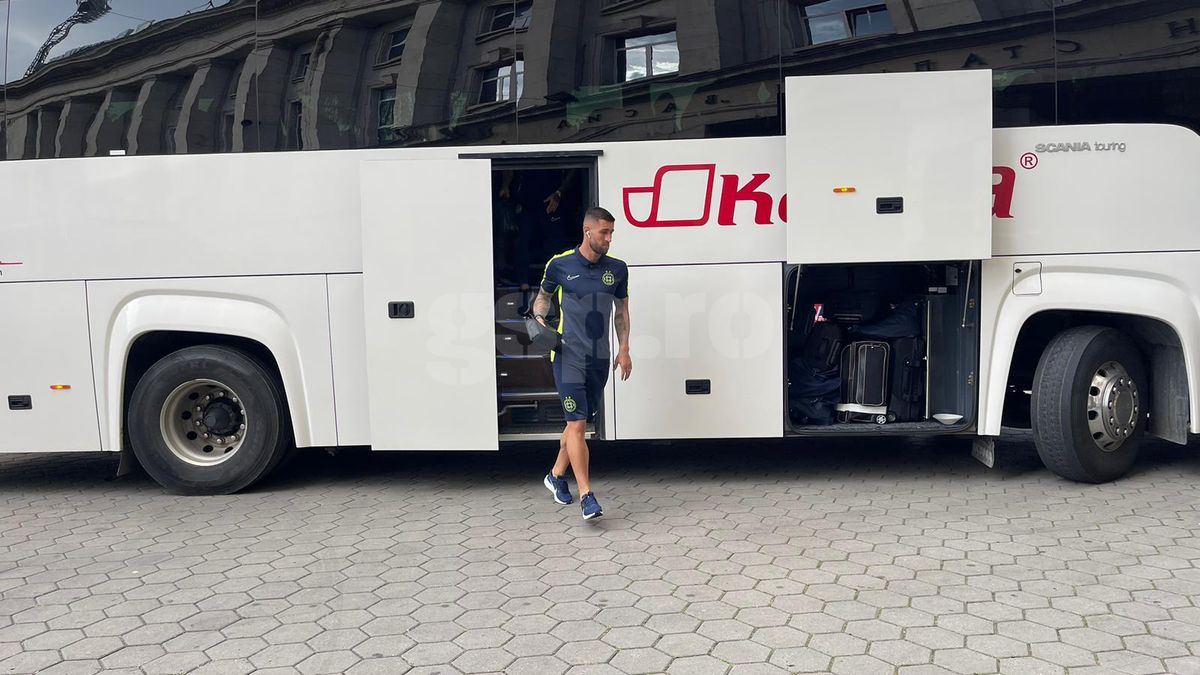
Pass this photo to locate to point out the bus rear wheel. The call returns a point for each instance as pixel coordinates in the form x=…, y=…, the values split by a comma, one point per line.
x=208, y=420
x=1089, y=404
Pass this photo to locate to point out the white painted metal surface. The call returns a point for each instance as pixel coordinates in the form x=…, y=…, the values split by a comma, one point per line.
x=1027, y=278
x=925, y=137
x=427, y=239
x=181, y=216
x=348, y=342
x=1112, y=188
x=45, y=342
x=722, y=323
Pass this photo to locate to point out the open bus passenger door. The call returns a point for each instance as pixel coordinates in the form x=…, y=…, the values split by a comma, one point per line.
x=427, y=289
x=889, y=167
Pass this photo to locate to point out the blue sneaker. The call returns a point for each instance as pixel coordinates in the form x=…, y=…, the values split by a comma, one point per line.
x=562, y=493
x=591, y=507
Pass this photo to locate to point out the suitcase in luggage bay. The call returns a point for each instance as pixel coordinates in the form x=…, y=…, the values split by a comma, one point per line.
x=813, y=381
x=865, y=391
x=907, y=377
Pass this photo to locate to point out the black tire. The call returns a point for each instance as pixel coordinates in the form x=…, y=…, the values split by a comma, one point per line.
x=266, y=441
x=1059, y=404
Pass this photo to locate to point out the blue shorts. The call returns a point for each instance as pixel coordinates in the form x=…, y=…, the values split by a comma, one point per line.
x=580, y=382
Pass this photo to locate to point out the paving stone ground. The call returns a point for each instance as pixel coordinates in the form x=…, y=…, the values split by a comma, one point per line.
x=853, y=556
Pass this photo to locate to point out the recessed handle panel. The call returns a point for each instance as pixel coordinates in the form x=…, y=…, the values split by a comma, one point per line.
x=401, y=310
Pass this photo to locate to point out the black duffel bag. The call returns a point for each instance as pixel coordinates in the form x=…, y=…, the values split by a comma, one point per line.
x=542, y=339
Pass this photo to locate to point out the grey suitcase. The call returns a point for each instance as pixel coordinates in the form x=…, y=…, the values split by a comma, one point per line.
x=864, y=370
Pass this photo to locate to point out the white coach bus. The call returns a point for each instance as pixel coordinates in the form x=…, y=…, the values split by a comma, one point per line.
x=203, y=314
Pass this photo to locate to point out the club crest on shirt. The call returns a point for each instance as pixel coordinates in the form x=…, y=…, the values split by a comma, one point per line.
x=609, y=278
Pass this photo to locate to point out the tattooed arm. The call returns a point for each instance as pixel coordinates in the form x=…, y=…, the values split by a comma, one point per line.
x=541, y=306
x=621, y=319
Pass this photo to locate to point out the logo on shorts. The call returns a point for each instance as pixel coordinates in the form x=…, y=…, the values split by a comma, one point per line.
x=609, y=278
x=569, y=404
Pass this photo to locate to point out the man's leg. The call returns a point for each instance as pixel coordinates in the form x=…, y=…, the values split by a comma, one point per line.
x=556, y=481
x=577, y=451
x=577, y=441
x=566, y=381
x=563, y=462
x=564, y=459
x=595, y=377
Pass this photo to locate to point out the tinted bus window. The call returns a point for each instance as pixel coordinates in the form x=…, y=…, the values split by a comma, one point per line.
x=1014, y=39
x=392, y=74
x=1132, y=62
x=101, y=77
x=4, y=11
x=618, y=70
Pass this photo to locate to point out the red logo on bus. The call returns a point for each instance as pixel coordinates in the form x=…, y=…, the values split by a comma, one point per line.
x=1002, y=191
x=696, y=179
x=696, y=174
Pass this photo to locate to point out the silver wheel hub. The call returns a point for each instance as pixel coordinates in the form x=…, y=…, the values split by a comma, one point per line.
x=203, y=422
x=1113, y=406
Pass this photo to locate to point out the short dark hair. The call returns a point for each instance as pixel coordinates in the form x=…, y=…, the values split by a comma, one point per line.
x=598, y=213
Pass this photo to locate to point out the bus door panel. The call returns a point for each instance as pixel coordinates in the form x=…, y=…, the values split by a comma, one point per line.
x=889, y=167
x=428, y=303
x=707, y=348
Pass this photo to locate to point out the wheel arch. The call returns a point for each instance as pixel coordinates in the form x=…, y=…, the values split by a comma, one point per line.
x=149, y=327
x=1157, y=315
x=149, y=347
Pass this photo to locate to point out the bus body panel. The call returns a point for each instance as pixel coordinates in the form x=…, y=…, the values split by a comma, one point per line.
x=44, y=344
x=181, y=216
x=717, y=328
x=1110, y=188
x=348, y=347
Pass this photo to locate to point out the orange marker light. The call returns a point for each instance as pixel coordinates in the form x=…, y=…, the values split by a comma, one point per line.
x=60, y=387
x=844, y=189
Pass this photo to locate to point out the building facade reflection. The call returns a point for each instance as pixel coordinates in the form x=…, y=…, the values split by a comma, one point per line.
x=189, y=76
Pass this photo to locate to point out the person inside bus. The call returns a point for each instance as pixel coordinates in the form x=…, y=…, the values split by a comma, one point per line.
x=538, y=195
x=590, y=284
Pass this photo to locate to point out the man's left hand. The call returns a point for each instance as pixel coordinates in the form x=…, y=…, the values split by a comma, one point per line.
x=625, y=363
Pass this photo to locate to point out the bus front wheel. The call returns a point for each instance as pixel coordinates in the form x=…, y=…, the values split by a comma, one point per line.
x=208, y=420
x=1089, y=404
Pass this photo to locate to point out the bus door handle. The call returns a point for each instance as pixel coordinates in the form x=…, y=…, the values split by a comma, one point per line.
x=401, y=310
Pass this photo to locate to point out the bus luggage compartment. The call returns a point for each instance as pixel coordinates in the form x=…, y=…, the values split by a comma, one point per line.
x=908, y=339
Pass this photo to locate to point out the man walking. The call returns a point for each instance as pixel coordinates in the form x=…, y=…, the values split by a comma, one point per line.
x=589, y=283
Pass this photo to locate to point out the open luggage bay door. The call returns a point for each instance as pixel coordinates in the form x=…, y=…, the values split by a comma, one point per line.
x=889, y=167
x=430, y=319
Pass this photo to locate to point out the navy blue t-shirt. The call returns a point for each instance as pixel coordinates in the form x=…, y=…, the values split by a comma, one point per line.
x=586, y=291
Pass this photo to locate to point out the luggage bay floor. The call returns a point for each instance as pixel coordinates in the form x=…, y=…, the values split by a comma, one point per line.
x=869, y=428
